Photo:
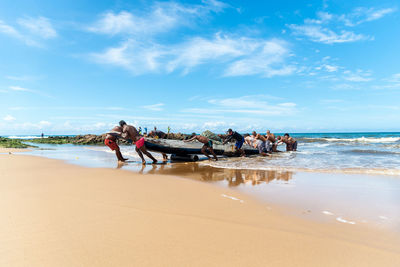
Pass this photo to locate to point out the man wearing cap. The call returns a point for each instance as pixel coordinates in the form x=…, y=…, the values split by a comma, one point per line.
x=239, y=141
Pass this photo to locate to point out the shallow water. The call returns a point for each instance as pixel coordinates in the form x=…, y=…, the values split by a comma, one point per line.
x=371, y=153
x=354, y=199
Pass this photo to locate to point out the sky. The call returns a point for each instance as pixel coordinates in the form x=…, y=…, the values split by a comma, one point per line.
x=78, y=66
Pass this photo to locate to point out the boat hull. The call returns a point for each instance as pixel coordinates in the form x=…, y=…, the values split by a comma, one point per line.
x=194, y=148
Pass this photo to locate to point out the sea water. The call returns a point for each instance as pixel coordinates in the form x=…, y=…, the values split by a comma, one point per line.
x=374, y=153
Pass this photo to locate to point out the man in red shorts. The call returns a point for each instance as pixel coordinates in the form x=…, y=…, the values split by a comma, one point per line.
x=111, y=141
x=130, y=132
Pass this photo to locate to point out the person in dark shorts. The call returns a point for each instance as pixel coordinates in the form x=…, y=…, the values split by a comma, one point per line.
x=207, y=145
x=262, y=145
x=239, y=141
x=111, y=141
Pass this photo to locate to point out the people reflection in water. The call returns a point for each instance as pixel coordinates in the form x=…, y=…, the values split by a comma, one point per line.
x=234, y=177
x=255, y=177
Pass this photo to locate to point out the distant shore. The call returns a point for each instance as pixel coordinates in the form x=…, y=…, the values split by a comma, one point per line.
x=56, y=214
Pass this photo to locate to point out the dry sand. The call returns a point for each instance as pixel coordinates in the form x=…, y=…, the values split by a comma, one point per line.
x=56, y=214
x=13, y=150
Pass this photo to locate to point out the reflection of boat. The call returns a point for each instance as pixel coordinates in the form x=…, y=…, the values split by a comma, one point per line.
x=185, y=149
x=233, y=177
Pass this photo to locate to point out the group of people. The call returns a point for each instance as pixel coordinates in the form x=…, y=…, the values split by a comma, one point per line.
x=266, y=144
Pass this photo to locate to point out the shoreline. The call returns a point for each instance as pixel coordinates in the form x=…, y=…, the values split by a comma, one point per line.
x=56, y=213
x=13, y=150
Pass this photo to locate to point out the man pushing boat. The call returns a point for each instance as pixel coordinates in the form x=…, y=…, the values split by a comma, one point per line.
x=111, y=141
x=129, y=132
x=239, y=141
x=207, y=145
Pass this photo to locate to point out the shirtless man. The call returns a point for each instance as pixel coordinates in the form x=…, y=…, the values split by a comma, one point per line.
x=207, y=144
x=262, y=145
x=291, y=143
x=129, y=132
x=111, y=141
x=271, y=137
x=239, y=141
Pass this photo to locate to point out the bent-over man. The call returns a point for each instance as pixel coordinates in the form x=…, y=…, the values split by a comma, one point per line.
x=207, y=144
x=263, y=145
x=111, y=141
x=129, y=132
x=239, y=141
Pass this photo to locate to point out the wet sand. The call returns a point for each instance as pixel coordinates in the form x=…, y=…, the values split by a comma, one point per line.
x=57, y=214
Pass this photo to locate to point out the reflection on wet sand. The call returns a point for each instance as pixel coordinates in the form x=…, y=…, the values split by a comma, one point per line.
x=193, y=170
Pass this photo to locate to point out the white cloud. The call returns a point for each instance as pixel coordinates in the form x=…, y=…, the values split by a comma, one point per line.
x=32, y=126
x=9, y=118
x=237, y=56
x=319, y=34
x=392, y=82
x=99, y=125
x=30, y=30
x=323, y=17
x=141, y=50
x=9, y=30
x=331, y=68
x=395, y=78
x=21, y=89
x=155, y=107
x=267, y=60
x=345, y=86
x=358, y=76
x=330, y=101
x=252, y=105
x=162, y=17
x=362, y=14
x=20, y=78
x=40, y=26
x=212, y=125
x=317, y=30
x=44, y=123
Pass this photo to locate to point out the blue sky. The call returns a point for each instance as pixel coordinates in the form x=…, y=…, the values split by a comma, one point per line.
x=71, y=67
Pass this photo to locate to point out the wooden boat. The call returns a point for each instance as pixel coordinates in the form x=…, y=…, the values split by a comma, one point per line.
x=185, y=149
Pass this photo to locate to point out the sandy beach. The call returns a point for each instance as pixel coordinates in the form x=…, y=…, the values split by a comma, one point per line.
x=56, y=214
x=13, y=150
